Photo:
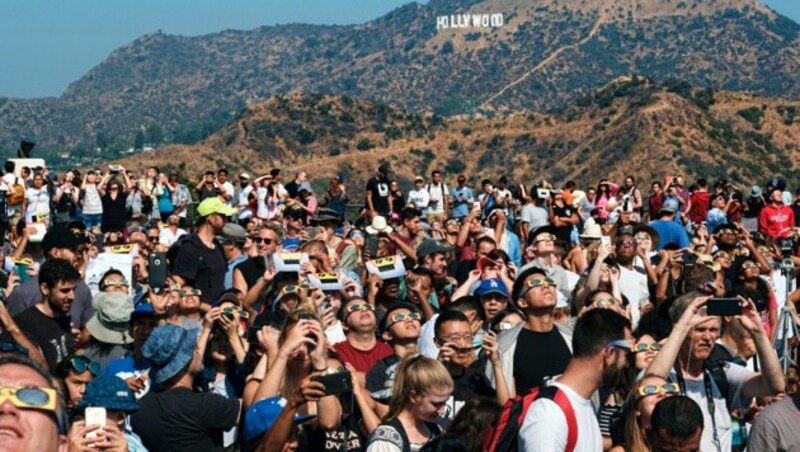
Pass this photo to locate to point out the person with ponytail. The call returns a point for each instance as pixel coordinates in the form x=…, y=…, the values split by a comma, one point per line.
x=421, y=390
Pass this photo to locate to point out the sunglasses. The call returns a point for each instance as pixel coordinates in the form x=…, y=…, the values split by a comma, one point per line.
x=604, y=303
x=152, y=238
x=259, y=240
x=231, y=311
x=644, y=347
x=356, y=235
x=10, y=347
x=116, y=282
x=747, y=265
x=293, y=289
x=545, y=238
x=643, y=236
x=30, y=397
x=355, y=307
x=723, y=255
x=666, y=388
x=728, y=232
x=81, y=365
x=763, y=250
x=397, y=318
x=536, y=282
x=626, y=243
x=190, y=292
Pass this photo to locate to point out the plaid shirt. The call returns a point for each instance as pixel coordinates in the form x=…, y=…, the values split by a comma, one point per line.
x=180, y=195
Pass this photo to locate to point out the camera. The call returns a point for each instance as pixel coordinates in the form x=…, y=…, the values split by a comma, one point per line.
x=787, y=250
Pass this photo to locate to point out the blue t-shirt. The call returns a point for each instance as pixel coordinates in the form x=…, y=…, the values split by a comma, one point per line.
x=714, y=218
x=670, y=232
x=290, y=245
x=462, y=199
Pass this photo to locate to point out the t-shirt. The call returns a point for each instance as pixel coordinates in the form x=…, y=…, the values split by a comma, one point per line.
x=437, y=192
x=28, y=294
x=115, y=214
x=776, y=427
x=633, y=285
x=38, y=202
x=252, y=269
x=545, y=425
x=469, y=385
x=670, y=232
x=380, y=195
x=227, y=188
x=695, y=390
x=181, y=420
x=419, y=198
x=538, y=356
x=292, y=188
x=129, y=368
x=92, y=204
x=380, y=378
x=290, y=244
x=361, y=360
x=208, y=192
x=563, y=232
x=462, y=200
x=535, y=216
x=53, y=336
x=202, y=265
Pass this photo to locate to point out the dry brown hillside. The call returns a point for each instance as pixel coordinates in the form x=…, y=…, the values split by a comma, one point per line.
x=631, y=126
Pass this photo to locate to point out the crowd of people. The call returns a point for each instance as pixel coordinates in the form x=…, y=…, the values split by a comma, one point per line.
x=139, y=313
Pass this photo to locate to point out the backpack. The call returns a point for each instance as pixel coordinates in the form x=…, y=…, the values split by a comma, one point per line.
x=16, y=194
x=503, y=434
x=402, y=441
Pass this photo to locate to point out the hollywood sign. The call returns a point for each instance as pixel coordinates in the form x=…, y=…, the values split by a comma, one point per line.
x=470, y=21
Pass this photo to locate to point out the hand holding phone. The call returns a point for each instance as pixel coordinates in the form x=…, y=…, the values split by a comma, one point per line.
x=95, y=415
x=724, y=307
x=336, y=383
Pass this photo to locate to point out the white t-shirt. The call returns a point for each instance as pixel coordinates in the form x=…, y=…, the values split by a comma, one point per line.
x=243, y=203
x=633, y=284
x=166, y=237
x=228, y=189
x=420, y=198
x=535, y=216
x=437, y=192
x=92, y=204
x=545, y=426
x=38, y=202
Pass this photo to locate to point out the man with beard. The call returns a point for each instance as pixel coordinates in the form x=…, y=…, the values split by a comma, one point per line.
x=684, y=358
x=456, y=343
x=199, y=260
x=361, y=349
x=538, y=348
x=432, y=254
x=601, y=343
x=632, y=282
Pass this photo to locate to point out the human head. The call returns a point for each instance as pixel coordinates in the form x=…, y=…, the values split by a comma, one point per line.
x=411, y=220
x=676, y=426
x=543, y=241
x=493, y=296
x=172, y=354
x=422, y=387
x=453, y=328
x=114, y=281
x=362, y=320
x=65, y=243
x=484, y=245
x=76, y=371
x=212, y=212
x=267, y=238
x=470, y=307
x=402, y=323
x=602, y=338
x=698, y=344
x=436, y=177
x=222, y=175
x=38, y=429
x=534, y=291
x=57, y=282
x=383, y=172
x=432, y=254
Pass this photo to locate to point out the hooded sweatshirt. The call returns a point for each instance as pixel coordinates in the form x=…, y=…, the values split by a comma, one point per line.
x=776, y=220
x=700, y=204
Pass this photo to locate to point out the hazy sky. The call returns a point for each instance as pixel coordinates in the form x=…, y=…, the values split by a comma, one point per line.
x=46, y=44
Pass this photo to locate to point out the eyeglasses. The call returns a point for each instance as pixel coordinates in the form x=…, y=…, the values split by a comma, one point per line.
x=30, y=397
x=190, y=292
x=604, y=303
x=10, y=347
x=231, y=311
x=116, y=282
x=536, y=282
x=257, y=239
x=723, y=255
x=763, y=250
x=293, y=289
x=727, y=231
x=747, y=265
x=622, y=343
x=626, y=243
x=642, y=236
x=644, y=347
x=545, y=238
x=397, y=318
x=82, y=364
x=152, y=238
x=666, y=388
x=355, y=307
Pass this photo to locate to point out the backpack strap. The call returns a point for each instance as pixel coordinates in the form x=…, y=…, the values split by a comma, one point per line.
x=398, y=426
x=560, y=398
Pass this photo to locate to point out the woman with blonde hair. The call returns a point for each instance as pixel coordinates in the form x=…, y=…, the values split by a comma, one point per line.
x=639, y=407
x=421, y=390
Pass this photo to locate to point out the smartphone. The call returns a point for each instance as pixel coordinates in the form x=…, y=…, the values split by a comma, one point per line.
x=689, y=259
x=724, y=306
x=22, y=271
x=269, y=261
x=336, y=383
x=605, y=240
x=95, y=415
x=372, y=245
x=157, y=269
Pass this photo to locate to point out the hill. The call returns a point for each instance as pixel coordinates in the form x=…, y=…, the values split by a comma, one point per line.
x=631, y=126
x=438, y=57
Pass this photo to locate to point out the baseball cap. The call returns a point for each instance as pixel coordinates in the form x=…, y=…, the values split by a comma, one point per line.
x=232, y=232
x=263, y=414
x=430, y=246
x=214, y=205
x=670, y=205
x=244, y=176
x=62, y=237
x=491, y=285
x=419, y=178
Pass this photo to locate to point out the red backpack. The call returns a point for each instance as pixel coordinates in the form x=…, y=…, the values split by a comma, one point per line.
x=503, y=434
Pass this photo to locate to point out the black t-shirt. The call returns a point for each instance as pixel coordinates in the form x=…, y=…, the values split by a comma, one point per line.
x=252, y=269
x=472, y=383
x=181, y=420
x=204, y=266
x=293, y=189
x=398, y=201
x=206, y=192
x=52, y=335
x=538, y=356
x=380, y=195
x=380, y=378
x=753, y=207
x=563, y=232
x=114, y=213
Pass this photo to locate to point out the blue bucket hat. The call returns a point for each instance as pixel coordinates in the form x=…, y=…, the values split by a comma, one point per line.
x=263, y=414
x=109, y=392
x=168, y=350
x=492, y=285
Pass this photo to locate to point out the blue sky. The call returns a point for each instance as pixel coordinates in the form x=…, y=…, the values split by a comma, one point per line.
x=46, y=44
